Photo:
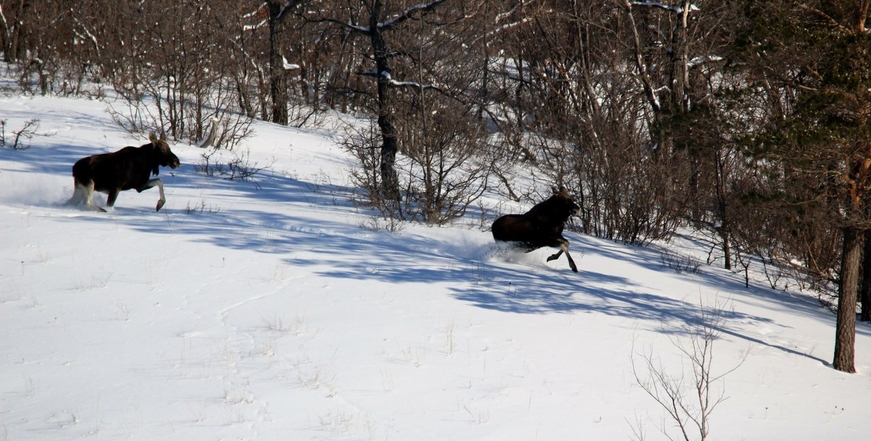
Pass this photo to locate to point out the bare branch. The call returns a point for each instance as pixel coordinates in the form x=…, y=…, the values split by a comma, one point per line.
x=405, y=15
x=827, y=18
x=349, y=26
x=385, y=25
x=288, y=5
x=689, y=414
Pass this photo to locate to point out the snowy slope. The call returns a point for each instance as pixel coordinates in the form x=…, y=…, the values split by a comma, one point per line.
x=272, y=312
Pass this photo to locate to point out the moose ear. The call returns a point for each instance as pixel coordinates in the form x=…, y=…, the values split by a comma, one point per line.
x=561, y=191
x=162, y=135
x=152, y=137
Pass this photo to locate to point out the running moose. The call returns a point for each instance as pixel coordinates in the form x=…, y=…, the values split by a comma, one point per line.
x=542, y=226
x=128, y=168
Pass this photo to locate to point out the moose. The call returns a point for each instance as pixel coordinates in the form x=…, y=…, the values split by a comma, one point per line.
x=128, y=168
x=542, y=226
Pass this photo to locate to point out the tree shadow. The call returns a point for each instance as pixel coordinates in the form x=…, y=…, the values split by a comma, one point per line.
x=468, y=271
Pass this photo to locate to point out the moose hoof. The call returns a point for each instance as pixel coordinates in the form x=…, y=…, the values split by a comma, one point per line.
x=159, y=205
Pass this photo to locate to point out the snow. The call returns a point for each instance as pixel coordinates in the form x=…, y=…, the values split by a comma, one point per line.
x=270, y=310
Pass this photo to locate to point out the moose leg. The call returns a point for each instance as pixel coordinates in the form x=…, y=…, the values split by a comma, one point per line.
x=78, y=195
x=110, y=200
x=84, y=194
x=571, y=261
x=159, y=184
x=564, y=248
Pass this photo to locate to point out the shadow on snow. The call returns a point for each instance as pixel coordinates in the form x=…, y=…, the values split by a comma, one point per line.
x=465, y=270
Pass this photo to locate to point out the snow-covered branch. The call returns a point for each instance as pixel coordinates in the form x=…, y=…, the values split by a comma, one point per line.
x=287, y=65
x=703, y=59
x=405, y=15
x=349, y=25
x=288, y=5
x=385, y=25
x=506, y=26
x=254, y=13
x=262, y=12
x=252, y=27
x=88, y=35
x=676, y=9
x=3, y=21
x=508, y=13
x=354, y=27
x=412, y=84
x=396, y=83
x=486, y=37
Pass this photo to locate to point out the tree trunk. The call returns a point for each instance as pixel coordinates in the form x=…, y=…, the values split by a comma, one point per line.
x=277, y=80
x=727, y=248
x=680, y=62
x=724, y=228
x=4, y=37
x=18, y=34
x=865, y=294
x=389, y=146
x=845, y=330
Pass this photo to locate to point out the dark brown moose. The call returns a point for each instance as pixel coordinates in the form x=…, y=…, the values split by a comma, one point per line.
x=128, y=168
x=542, y=226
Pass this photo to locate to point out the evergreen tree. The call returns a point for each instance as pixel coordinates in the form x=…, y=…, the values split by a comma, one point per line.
x=810, y=63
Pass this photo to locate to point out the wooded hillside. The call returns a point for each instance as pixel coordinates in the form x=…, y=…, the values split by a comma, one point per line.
x=744, y=120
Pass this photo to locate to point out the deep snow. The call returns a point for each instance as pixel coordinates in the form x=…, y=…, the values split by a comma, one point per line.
x=273, y=311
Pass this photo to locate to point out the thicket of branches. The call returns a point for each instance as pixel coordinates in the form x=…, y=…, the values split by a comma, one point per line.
x=746, y=120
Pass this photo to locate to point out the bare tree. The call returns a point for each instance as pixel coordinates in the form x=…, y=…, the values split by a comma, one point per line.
x=278, y=10
x=688, y=396
x=15, y=19
x=376, y=20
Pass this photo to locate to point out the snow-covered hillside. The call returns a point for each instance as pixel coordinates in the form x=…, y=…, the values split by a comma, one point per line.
x=273, y=311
